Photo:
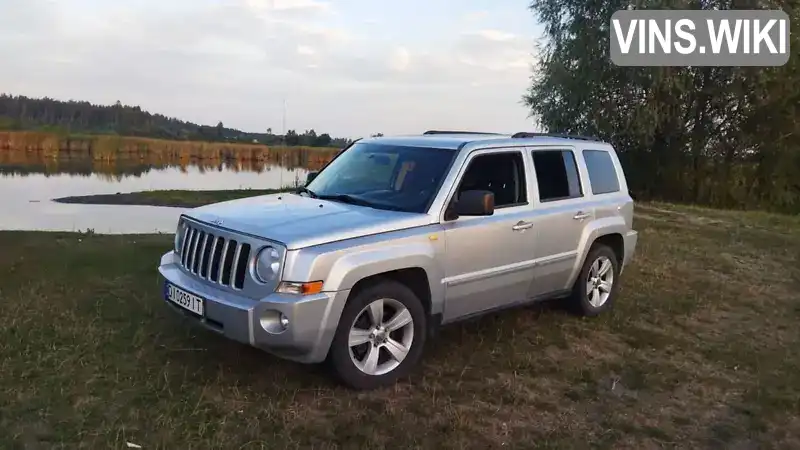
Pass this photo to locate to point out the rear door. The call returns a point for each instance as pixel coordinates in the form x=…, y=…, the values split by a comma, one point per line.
x=609, y=195
x=562, y=210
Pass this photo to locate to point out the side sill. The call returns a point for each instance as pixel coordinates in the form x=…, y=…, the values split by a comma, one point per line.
x=510, y=306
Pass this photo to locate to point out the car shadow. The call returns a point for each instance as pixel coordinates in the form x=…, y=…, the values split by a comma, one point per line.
x=216, y=359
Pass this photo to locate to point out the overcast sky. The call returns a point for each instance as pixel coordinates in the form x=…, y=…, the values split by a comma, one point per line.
x=347, y=67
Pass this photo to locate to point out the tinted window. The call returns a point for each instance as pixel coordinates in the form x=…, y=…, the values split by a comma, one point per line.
x=556, y=175
x=602, y=173
x=501, y=173
x=384, y=176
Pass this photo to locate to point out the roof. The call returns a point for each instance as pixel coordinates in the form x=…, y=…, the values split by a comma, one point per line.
x=458, y=140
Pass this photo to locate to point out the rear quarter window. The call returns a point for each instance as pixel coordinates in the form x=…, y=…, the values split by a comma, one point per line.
x=603, y=176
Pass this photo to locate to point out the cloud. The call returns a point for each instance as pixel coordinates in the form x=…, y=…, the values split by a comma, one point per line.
x=299, y=5
x=494, y=50
x=475, y=16
x=297, y=8
x=400, y=59
x=205, y=60
x=494, y=35
x=305, y=50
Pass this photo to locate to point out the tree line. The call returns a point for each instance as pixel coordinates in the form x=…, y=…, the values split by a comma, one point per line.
x=719, y=136
x=81, y=117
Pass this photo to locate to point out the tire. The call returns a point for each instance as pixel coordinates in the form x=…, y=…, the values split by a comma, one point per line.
x=353, y=365
x=585, y=302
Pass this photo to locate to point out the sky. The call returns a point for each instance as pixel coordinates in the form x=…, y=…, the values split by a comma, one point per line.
x=346, y=67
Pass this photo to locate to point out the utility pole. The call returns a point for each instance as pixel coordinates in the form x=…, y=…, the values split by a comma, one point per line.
x=284, y=121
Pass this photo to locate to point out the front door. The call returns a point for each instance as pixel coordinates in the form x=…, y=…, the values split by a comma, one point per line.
x=489, y=259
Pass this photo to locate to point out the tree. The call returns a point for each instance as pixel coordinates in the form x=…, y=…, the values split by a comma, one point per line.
x=323, y=140
x=309, y=137
x=54, y=116
x=723, y=136
x=291, y=138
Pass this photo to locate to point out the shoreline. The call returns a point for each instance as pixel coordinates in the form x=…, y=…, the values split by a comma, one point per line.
x=176, y=198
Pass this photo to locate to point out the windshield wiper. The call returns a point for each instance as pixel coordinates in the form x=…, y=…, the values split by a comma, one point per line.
x=347, y=198
x=308, y=191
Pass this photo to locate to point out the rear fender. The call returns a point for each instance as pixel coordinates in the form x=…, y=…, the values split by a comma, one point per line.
x=594, y=230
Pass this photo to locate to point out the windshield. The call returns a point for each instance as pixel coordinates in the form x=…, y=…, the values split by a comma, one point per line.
x=384, y=176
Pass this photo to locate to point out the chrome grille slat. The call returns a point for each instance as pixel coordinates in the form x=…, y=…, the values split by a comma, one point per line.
x=186, y=230
x=191, y=248
x=205, y=248
x=193, y=262
x=187, y=244
x=222, y=261
x=202, y=256
x=211, y=254
x=231, y=281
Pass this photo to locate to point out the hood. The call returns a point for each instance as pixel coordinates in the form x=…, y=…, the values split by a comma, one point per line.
x=299, y=221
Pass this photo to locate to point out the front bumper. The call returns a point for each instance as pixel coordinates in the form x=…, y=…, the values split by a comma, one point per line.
x=312, y=318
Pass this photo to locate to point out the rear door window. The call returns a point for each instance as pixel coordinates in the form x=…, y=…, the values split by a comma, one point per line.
x=556, y=175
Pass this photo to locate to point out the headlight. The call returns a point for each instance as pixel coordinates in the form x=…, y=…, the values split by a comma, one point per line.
x=268, y=263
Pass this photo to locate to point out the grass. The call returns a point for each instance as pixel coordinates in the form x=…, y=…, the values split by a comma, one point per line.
x=699, y=352
x=171, y=198
x=114, y=147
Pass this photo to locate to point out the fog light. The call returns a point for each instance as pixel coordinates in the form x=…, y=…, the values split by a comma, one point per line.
x=273, y=321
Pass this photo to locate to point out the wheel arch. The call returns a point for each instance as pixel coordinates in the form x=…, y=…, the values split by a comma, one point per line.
x=414, y=278
x=413, y=265
x=607, y=231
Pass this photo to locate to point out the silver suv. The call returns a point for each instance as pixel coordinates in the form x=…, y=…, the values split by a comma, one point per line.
x=397, y=236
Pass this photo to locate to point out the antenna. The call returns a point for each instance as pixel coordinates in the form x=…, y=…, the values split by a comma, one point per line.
x=284, y=119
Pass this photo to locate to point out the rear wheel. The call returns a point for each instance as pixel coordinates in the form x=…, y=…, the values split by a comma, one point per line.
x=380, y=336
x=596, y=287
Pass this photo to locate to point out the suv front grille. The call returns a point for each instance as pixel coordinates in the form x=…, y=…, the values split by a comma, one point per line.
x=214, y=258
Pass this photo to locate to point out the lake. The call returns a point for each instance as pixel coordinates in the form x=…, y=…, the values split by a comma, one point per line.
x=29, y=183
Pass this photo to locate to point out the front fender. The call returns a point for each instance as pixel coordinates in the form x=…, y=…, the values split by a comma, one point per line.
x=353, y=267
x=594, y=230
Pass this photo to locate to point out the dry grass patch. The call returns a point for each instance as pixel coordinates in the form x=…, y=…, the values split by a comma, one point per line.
x=698, y=353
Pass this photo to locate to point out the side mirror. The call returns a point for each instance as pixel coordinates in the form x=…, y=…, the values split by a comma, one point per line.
x=310, y=177
x=472, y=203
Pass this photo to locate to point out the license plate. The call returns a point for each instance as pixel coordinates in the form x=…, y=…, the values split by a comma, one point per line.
x=185, y=300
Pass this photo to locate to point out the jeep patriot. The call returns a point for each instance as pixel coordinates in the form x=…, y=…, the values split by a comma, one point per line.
x=397, y=236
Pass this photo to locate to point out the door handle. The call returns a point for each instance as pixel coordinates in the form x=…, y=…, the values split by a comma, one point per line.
x=581, y=215
x=522, y=225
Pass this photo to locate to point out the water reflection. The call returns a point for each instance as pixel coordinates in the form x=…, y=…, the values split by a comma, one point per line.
x=29, y=181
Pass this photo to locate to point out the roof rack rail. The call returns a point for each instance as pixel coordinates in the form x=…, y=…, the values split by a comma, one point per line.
x=429, y=132
x=525, y=134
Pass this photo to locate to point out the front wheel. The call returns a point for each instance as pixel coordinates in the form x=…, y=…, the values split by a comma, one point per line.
x=380, y=336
